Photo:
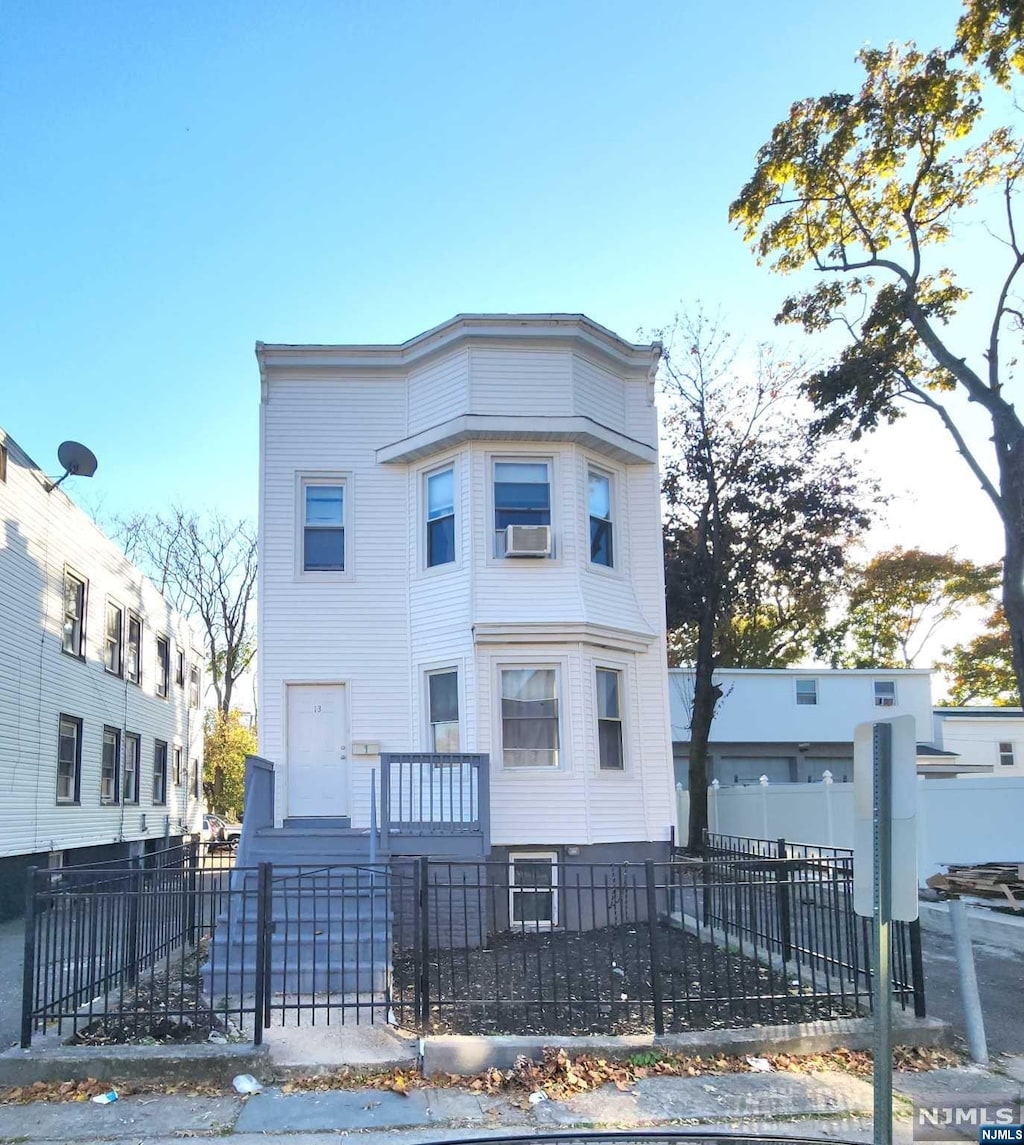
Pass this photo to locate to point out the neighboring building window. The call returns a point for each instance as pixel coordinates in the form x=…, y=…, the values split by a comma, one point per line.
x=193, y=686
x=522, y=496
x=160, y=772
x=133, y=660
x=441, y=518
x=599, y=504
x=1006, y=754
x=111, y=765
x=179, y=667
x=3, y=463
x=69, y=760
x=885, y=693
x=73, y=640
x=163, y=666
x=529, y=717
x=807, y=692
x=609, y=719
x=443, y=697
x=179, y=774
x=533, y=890
x=323, y=533
x=113, y=639
x=193, y=779
x=130, y=788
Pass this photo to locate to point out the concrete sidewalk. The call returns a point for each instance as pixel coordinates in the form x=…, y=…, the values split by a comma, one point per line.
x=822, y=1105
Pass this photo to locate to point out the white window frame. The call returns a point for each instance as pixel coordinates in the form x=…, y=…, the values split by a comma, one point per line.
x=620, y=671
x=442, y=670
x=423, y=516
x=179, y=767
x=163, y=667
x=548, y=459
x=800, y=703
x=560, y=668
x=883, y=701
x=114, y=798
x=513, y=890
x=79, y=652
x=312, y=479
x=1004, y=747
x=157, y=745
x=75, y=798
x=613, y=508
x=132, y=616
x=119, y=670
x=131, y=799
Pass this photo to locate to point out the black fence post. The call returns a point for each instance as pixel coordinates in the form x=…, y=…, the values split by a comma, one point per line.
x=782, y=890
x=131, y=945
x=705, y=854
x=191, y=876
x=917, y=968
x=28, y=973
x=423, y=943
x=650, y=878
x=262, y=942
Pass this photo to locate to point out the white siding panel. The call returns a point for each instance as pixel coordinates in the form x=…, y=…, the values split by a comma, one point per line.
x=438, y=392
x=44, y=531
x=520, y=382
x=598, y=394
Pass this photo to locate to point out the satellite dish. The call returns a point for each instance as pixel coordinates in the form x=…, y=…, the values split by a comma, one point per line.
x=78, y=460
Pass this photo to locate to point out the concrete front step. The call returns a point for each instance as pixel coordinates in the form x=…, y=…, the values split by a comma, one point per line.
x=239, y=979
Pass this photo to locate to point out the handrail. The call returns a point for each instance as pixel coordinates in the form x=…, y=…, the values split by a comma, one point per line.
x=435, y=793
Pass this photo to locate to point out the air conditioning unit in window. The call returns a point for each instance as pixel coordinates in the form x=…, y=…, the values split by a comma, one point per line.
x=528, y=541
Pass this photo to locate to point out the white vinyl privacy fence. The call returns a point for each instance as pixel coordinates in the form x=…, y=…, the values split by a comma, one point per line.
x=971, y=820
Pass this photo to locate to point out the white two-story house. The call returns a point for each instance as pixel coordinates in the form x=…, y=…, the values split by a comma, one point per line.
x=100, y=682
x=460, y=552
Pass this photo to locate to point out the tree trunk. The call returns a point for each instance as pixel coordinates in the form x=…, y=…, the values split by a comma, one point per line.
x=706, y=694
x=1012, y=512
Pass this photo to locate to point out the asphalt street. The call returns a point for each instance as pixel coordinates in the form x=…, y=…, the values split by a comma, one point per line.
x=11, y=950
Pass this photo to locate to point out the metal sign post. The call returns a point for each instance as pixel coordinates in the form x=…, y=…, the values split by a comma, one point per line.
x=881, y=822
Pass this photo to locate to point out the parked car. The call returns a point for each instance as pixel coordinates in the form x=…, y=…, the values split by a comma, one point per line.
x=219, y=833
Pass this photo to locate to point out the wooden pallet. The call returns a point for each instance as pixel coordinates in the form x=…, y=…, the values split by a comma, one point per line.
x=984, y=880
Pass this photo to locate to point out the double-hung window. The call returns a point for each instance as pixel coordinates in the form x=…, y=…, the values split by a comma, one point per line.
x=599, y=508
x=443, y=704
x=160, y=772
x=69, y=759
x=529, y=717
x=73, y=637
x=193, y=778
x=885, y=693
x=323, y=527
x=441, y=517
x=110, y=769
x=179, y=667
x=522, y=496
x=193, y=686
x=113, y=639
x=1005, y=754
x=533, y=890
x=609, y=719
x=807, y=693
x=179, y=769
x=133, y=659
x=163, y=666
x=130, y=788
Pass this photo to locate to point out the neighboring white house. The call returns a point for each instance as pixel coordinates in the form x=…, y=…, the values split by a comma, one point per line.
x=989, y=739
x=100, y=728
x=793, y=724
x=460, y=550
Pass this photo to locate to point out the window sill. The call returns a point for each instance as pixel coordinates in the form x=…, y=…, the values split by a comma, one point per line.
x=109, y=803
x=111, y=672
x=68, y=803
x=79, y=656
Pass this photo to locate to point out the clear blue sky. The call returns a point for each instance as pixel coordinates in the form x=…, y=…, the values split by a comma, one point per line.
x=181, y=179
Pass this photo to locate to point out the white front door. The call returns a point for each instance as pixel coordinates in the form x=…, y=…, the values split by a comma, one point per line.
x=318, y=780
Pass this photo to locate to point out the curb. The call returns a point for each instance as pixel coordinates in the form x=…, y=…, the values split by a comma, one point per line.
x=470, y=1055
x=217, y=1064
x=986, y=926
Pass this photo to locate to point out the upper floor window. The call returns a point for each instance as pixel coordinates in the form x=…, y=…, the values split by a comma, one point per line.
x=522, y=496
x=160, y=772
x=69, y=760
x=73, y=638
x=529, y=717
x=441, y=517
x=179, y=767
x=110, y=768
x=163, y=666
x=807, y=692
x=885, y=693
x=599, y=507
x=323, y=531
x=133, y=659
x=609, y=719
x=113, y=641
x=193, y=779
x=1006, y=754
x=179, y=667
x=443, y=702
x=193, y=686
x=130, y=788
x=3, y=462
